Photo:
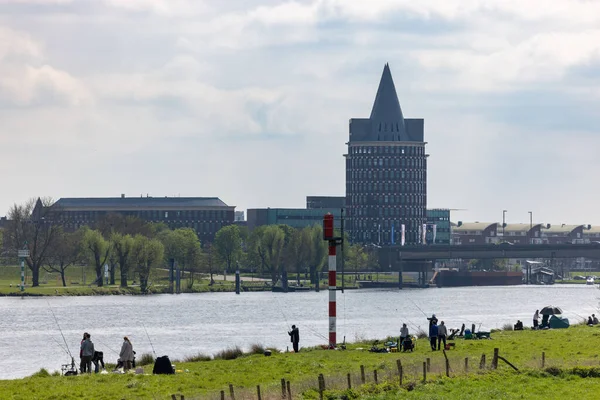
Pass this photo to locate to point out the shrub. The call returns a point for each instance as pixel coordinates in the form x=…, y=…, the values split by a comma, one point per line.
x=197, y=357
x=42, y=373
x=507, y=327
x=230, y=353
x=257, y=348
x=421, y=334
x=145, y=359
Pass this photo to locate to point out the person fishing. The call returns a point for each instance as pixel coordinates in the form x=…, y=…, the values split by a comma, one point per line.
x=295, y=337
x=87, y=352
x=126, y=354
x=403, y=335
x=433, y=334
x=442, y=333
x=536, y=319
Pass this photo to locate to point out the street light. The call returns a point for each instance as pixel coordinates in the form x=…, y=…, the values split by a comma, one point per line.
x=530, y=219
x=503, y=223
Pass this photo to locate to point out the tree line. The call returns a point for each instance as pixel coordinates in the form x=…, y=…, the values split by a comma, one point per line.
x=131, y=246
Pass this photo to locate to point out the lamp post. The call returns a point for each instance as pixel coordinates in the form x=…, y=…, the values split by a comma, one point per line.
x=530, y=219
x=503, y=221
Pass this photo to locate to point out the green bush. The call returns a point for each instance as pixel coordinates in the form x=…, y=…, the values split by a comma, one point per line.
x=231, y=353
x=197, y=357
x=145, y=359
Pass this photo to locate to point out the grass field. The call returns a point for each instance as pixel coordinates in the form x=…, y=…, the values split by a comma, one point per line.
x=571, y=371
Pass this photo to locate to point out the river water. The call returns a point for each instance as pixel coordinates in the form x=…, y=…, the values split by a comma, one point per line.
x=187, y=324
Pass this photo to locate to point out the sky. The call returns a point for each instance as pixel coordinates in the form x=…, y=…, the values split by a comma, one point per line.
x=249, y=101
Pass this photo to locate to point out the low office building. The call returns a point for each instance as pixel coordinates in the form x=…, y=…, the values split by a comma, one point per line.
x=562, y=234
x=320, y=202
x=521, y=233
x=475, y=233
x=294, y=217
x=206, y=215
x=438, y=226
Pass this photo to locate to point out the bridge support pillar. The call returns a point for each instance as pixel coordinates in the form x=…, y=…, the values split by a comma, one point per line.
x=400, y=271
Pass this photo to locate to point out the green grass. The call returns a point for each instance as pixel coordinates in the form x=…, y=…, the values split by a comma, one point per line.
x=567, y=350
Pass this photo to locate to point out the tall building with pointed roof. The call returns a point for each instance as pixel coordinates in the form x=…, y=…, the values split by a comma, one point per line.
x=386, y=173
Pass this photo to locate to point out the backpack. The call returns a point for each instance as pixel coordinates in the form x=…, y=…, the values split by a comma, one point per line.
x=162, y=365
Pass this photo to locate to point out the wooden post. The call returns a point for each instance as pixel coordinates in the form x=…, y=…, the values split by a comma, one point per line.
x=231, y=393
x=258, y=392
x=375, y=376
x=399, y=365
x=181, y=397
x=424, y=371
x=362, y=374
x=466, y=365
x=543, y=359
x=349, y=382
x=447, y=368
x=289, y=390
x=482, y=362
x=495, y=359
x=428, y=364
x=321, y=386
x=282, y=388
x=222, y=395
x=173, y=397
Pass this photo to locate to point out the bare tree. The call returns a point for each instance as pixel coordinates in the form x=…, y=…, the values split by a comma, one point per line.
x=33, y=225
x=64, y=253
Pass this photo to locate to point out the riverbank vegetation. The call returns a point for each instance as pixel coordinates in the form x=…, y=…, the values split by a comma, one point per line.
x=126, y=255
x=551, y=363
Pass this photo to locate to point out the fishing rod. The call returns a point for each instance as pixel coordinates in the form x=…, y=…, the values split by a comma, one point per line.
x=281, y=310
x=60, y=330
x=317, y=333
x=60, y=345
x=105, y=345
x=418, y=308
x=148, y=336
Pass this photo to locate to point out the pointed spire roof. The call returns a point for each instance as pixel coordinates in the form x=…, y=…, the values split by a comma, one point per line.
x=386, y=108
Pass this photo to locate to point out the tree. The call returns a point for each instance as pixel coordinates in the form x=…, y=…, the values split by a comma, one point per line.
x=97, y=249
x=64, y=253
x=33, y=225
x=356, y=257
x=318, y=252
x=271, y=247
x=208, y=262
x=148, y=254
x=228, y=244
x=122, y=246
x=183, y=246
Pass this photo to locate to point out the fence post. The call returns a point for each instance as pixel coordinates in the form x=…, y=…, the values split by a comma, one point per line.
x=231, y=393
x=362, y=374
x=466, y=365
x=222, y=395
x=424, y=371
x=289, y=390
x=258, y=392
x=349, y=382
x=543, y=359
x=495, y=359
x=428, y=364
x=375, y=376
x=321, y=386
x=399, y=365
x=282, y=388
x=482, y=362
x=173, y=397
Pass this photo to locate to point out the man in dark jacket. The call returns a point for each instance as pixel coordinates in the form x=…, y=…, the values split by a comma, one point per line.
x=295, y=337
x=87, y=352
x=433, y=335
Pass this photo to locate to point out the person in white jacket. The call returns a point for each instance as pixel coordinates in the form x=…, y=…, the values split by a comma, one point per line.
x=442, y=332
x=126, y=354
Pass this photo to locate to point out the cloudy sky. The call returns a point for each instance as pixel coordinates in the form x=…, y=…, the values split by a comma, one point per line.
x=250, y=100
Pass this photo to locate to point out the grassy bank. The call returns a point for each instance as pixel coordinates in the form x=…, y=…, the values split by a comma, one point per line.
x=570, y=355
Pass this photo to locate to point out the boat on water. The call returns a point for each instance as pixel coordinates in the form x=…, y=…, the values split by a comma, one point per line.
x=590, y=281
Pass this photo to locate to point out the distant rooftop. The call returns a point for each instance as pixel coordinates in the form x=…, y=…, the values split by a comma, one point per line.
x=135, y=202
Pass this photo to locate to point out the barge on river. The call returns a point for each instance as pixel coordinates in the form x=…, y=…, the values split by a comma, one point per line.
x=450, y=278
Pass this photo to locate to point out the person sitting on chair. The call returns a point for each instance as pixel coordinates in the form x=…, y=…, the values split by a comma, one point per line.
x=518, y=326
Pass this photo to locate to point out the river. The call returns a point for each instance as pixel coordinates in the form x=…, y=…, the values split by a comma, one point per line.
x=187, y=324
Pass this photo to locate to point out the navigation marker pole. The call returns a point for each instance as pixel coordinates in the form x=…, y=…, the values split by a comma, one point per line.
x=328, y=234
x=23, y=254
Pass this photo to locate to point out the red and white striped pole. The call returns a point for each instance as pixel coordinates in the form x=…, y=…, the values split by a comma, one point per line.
x=332, y=293
x=328, y=233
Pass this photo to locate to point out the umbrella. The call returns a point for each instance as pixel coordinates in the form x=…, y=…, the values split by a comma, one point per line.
x=550, y=310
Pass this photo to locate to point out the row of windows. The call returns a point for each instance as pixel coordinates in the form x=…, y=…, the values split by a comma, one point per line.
x=388, y=211
x=211, y=215
x=380, y=187
x=387, y=162
x=204, y=229
x=410, y=174
x=408, y=150
x=384, y=238
x=369, y=200
x=384, y=224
